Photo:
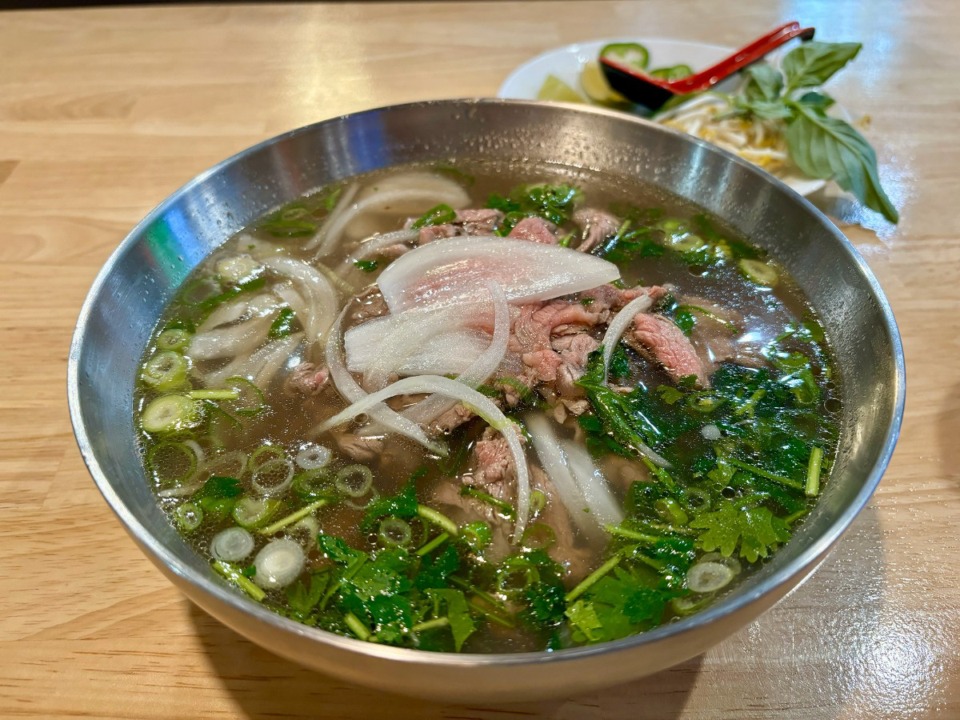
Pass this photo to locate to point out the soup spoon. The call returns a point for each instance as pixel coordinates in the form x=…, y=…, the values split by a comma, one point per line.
x=652, y=92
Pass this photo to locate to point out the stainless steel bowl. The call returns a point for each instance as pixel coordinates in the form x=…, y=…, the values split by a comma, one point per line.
x=130, y=292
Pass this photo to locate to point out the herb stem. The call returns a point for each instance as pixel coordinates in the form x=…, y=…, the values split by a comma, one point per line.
x=433, y=544
x=505, y=508
x=431, y=624
x=293, y=517
x=236, y=577
x=766, y=474
x=593, y=578
x=812, y=488
x=630, y=534
x=438, y=519
x=356, y=627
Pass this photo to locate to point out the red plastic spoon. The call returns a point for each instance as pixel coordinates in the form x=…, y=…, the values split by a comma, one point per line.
x=653, y=92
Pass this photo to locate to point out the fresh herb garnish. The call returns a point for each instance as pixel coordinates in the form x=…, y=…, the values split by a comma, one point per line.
x=820, y=145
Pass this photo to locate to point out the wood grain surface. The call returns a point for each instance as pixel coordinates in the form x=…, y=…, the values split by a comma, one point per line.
x=105, y=111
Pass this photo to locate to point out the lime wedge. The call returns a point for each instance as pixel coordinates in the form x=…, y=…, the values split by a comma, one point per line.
x=597, y=88
x=554, y=88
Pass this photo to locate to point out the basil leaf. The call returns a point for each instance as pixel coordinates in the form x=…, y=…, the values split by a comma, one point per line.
x=813, y=63
x=818, y=100
x=764, y=82
x=768, y=109
x=829, y=148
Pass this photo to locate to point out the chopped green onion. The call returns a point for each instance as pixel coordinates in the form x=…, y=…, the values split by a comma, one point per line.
x=759, y=272
x=283, y=324
x=266, y=453
x=172, y=463
x=170, y=414
x=438, y=215
x=173, y=339
x=165, y=371
x=213, y=394
x=812, y=488
x=395, y=531
x=354, y=481
x=252, y=513
x=708, y=577
x=189, y=516
x=249, y=400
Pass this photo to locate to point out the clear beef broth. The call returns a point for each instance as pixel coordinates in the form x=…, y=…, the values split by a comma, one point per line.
x=235, y=459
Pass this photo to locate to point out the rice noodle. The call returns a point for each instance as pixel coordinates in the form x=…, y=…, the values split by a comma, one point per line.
x=476, y=402
x=618, y=326
x=592, y=484
x=345, y=384
x=555, y=463
x=319, y=295
x=483, y=367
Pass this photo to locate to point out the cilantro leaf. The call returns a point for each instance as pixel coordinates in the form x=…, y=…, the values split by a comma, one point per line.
x=458, y=614
x=755, y=530
x=303, y=597
x=402, y=505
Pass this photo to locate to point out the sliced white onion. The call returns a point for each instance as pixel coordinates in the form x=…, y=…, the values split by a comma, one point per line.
x=352, y=392
x=343, y=202
x=229, y=341
x=305, y=531
x=237, y=268
x=232, y=544
x=476, y=402
x=593, y=485
x=555, y=464
x=319, y=295
x=409, y=200
x=313, y=456
x=480, y=369
x=278, y=563
x=280, y=467
x=376, y=243
x=457, y=270
x=224, y=315
x=618, y=326
x=413, y=339
x=705, y=577
x=252, y=366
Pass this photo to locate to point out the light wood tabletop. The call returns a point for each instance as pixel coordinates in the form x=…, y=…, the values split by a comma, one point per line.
x=105, y=111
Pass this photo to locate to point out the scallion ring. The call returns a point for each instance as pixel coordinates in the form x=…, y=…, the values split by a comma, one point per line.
x=394, y=531
x=354, y=481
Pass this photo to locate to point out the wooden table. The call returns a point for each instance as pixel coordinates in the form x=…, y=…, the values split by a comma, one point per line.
x=103, y=112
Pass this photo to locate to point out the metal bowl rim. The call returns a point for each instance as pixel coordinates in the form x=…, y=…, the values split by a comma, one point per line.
x=723, y=608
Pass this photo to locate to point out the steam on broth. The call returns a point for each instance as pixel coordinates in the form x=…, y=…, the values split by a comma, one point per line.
x=477, y=409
